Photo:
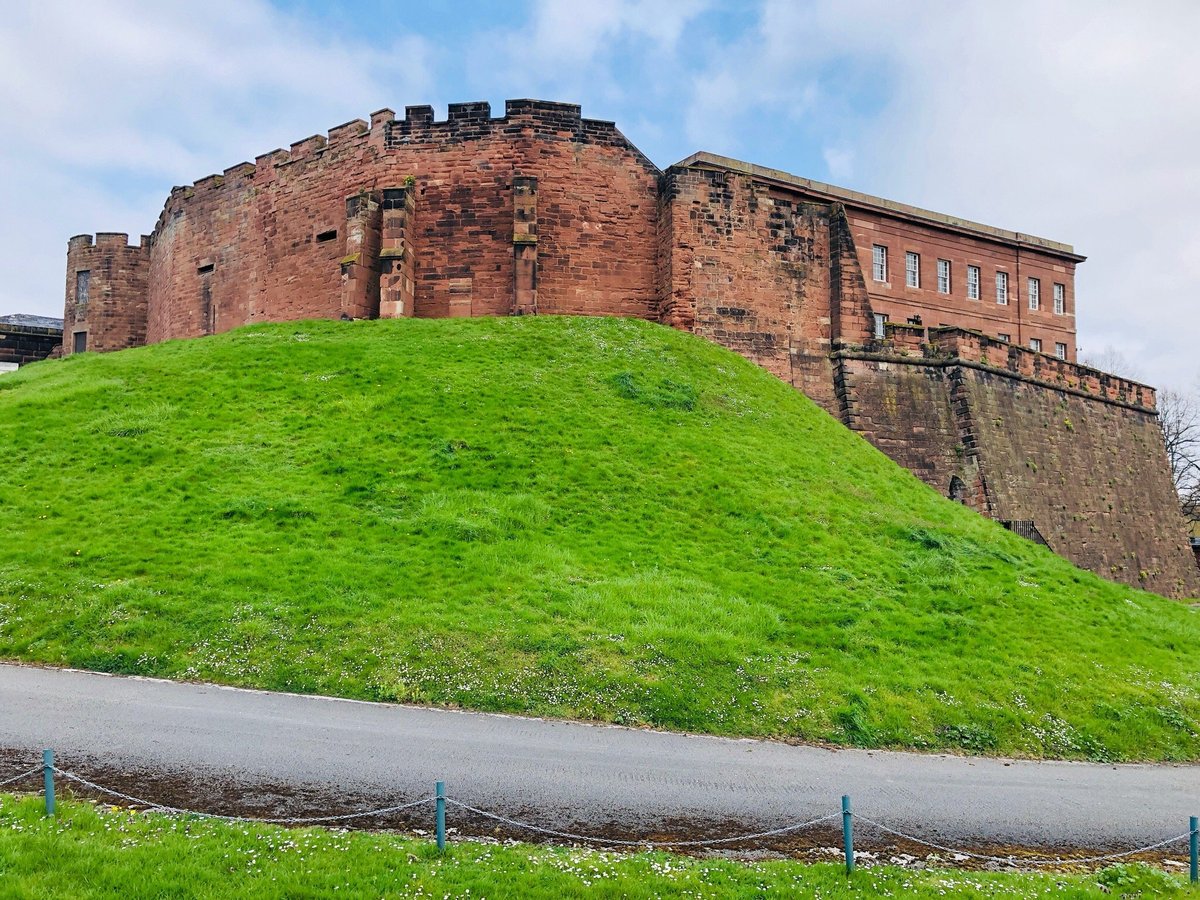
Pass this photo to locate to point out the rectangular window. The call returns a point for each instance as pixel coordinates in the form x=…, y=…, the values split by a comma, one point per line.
x=1060, y=350
x=1002, y=288
x=1034, y=290
x=912, y=270
x=83, y=282
x=1035, y=344
x=1060, y=299
x=972, y=282
x=1007, y=338
x=943, y=276
x=879, y=263
x=880, y=320
x=80, y=343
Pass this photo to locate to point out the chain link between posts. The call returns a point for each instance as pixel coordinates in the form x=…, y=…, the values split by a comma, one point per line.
x=293, y=820
x=23, y=775
x=593, y=839
x=630, y=843
x=1014, y=860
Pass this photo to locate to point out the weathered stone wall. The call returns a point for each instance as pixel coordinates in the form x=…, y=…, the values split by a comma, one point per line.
x=106, y=292
x=22, y=344
x=540, y=210
x=762, y=272
x=1076, y=452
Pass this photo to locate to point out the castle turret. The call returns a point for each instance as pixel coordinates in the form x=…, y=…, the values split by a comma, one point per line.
x=106, y=293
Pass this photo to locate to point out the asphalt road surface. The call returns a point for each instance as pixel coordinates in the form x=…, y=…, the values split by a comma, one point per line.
x=254, y=753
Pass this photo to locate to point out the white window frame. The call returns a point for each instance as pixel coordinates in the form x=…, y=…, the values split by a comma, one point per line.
x=1060, y=299
x=879, y=262
x=1002, y=288
x=973, y=274
x=1007, y=338
x=1035, y=344
x=943, y=276
x=880, y=325
x=1033, y=288
x=912, y=269
x=1060, y=350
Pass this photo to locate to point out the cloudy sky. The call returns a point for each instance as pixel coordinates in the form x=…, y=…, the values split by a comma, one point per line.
x=1077, y=120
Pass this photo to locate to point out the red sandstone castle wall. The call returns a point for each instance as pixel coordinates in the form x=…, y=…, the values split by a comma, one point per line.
x=246, y=246
x=113, y=316
x=762, y=271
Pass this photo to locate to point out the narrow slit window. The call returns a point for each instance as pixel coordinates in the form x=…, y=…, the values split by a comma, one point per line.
x=204, y=270
x=326, y=236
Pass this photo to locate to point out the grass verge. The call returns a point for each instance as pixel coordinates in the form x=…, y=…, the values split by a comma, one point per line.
x=591, y=518
x=102, y=852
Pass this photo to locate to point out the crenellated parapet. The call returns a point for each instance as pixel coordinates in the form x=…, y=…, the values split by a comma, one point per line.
x=917, y=344
x=1002, y=356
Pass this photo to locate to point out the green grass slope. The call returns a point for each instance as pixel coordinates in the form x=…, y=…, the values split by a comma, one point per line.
x=593, y=518
x=98, y=853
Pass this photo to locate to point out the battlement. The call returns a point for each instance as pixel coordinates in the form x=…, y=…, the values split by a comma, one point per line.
x=916, y=343
x=971, y=346
x=107, y=240
x=546, y=120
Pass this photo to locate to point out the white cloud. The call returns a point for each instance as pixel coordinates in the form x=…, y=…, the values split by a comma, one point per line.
x=108, y=103
x=1074, y=120
x=580, y=51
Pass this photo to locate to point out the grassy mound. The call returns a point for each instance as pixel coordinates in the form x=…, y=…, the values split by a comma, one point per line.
x=593, y=518
x=97, y=852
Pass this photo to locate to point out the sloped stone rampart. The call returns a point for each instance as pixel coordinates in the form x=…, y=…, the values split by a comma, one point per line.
x=1090, y=472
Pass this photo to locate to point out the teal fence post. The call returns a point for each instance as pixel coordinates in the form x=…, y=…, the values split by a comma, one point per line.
x=441, y=815
x=847, y=834
x=1193, y=848
x=48, y=776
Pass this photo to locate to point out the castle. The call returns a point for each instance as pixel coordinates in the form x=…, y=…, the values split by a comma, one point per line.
x=948, y=344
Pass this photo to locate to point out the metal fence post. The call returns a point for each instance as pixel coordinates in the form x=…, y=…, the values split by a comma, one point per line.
x=48, y=777
x=847, y=834
x=1193, y=848
x=441, y=816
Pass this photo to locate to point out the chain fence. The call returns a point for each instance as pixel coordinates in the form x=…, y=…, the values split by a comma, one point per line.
x=441, y=801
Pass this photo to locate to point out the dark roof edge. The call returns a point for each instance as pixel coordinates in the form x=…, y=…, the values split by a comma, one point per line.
x=867, y=201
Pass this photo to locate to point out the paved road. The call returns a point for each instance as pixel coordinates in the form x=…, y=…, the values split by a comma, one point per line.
x=218, y=748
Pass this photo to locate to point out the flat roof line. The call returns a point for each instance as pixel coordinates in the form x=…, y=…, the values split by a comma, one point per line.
x=857, y=198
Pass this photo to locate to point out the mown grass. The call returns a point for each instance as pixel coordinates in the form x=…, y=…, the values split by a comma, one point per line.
x=592, y=518
x=99, y=852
